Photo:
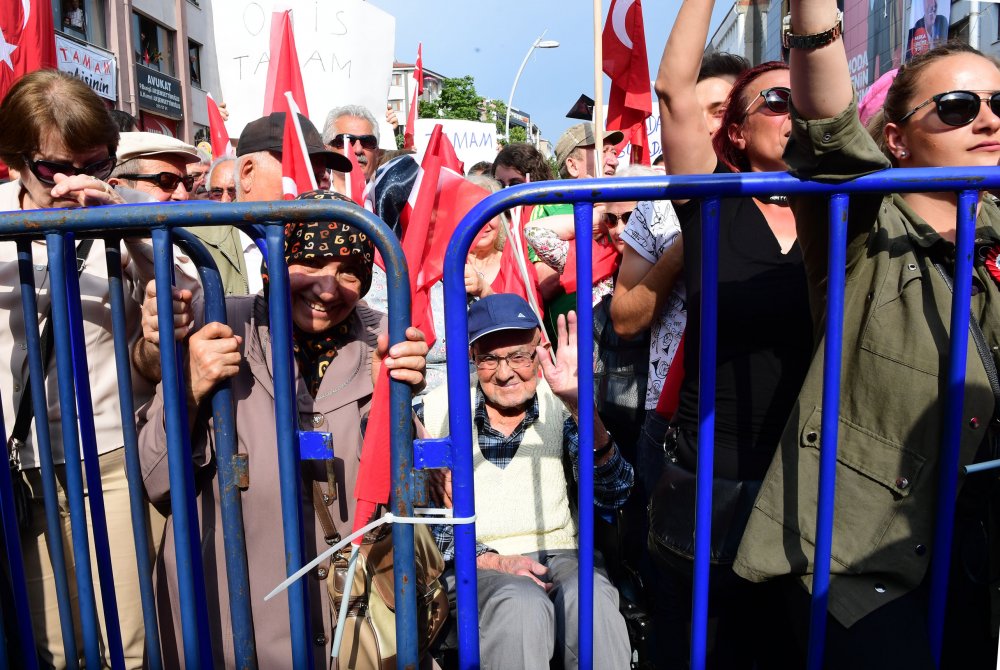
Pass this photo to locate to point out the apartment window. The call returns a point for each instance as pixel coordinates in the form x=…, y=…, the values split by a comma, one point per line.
x=397, y=79
x=194, y=62
x=154, y=44
x=83, y=19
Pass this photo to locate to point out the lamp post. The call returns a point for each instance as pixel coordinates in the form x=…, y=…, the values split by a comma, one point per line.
x=539, y=43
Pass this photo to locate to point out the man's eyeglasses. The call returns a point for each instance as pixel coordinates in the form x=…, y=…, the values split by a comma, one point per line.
x=515, y=361
x=46, y=171
x=168, y=181
x=611, y=220
x=958, y=108
x=368, y=142
x=776, y=99
x=217, y=193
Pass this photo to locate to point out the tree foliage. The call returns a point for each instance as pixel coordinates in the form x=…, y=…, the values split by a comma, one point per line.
x=458, y=100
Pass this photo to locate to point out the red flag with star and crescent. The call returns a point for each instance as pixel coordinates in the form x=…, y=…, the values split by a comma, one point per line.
x=27, y=40
x=625, y=62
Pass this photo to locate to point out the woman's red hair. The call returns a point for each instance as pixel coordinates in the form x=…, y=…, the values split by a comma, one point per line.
x=735, y=114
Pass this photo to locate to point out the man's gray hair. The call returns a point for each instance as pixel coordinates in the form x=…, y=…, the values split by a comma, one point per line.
x=359, y=111
x=216, y=163
x=131, y=166
x=204, y=158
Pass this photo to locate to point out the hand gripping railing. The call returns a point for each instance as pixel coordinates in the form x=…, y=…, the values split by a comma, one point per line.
x=59, y=228
x=709, y=189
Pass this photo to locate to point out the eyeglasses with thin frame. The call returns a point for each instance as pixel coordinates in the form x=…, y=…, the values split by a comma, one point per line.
x=517, y=360
x=611, y=220
x=957, y=108
x=368, y=142
x=217, y=193
x=46, y=171
x=776, y=99
x=168, y=181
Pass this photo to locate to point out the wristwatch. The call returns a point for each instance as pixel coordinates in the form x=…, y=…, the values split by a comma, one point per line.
x=790, y=40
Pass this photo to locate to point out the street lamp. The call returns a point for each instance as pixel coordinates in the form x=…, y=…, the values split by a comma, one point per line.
x=539, y=43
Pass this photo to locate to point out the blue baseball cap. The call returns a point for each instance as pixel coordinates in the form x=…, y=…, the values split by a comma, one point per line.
x=500, y=311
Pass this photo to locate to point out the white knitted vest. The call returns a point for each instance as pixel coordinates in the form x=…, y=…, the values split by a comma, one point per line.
x=525, y=506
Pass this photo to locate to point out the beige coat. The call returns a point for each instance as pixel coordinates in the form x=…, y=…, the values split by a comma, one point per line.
x=342, y=401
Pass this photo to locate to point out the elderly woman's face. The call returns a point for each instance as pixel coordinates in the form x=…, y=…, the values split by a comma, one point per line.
x=53, y=150
x=324, y=291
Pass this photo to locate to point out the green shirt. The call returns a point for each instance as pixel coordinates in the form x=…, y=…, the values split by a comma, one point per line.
x=895, y=361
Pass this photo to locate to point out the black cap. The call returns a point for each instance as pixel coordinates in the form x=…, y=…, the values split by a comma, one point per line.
x=268, y=133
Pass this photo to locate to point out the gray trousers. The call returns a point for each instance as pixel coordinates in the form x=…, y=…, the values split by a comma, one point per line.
x=522, y=626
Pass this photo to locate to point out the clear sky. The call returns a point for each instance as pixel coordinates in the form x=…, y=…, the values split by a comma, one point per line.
x=488, y=40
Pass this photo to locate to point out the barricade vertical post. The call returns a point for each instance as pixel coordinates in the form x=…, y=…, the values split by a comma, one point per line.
x=36, y=370
x=706, y=429
x=456, y=326
x=231, y=509
x=11, y=543
x=832, y=355
x=968, y=202
x=286, y=421
x=133, y=468
x=584, y=222
x=190, y=575
x=57, y=249
x=92, y=465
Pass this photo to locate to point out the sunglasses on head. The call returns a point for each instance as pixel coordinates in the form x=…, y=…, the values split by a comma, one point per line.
x=168, y=181
x=958, y=108
x=776, y=99
x=369, y=142
x=46, y=171
x=611, y=220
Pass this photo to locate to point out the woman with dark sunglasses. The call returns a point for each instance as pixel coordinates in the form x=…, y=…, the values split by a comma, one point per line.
x=940, y=111
x=764, y=340
x=57, y=134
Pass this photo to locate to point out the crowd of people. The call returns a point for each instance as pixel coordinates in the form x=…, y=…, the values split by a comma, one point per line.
x=718, y=114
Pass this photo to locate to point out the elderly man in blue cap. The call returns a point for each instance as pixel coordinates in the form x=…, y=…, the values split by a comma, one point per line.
x=524, y=433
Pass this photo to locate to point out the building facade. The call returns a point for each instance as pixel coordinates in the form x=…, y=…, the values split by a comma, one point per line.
x=154, y=59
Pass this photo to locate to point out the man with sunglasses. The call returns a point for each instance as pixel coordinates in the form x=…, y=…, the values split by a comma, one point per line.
x=156, y=165
x=353, y=128
x=525, y=433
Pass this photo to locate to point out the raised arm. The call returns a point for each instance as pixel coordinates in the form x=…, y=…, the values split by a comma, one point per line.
x=687, y=144
x=821, y=81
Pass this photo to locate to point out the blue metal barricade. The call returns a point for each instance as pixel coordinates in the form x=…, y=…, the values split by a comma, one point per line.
x=709, y=189
x=59, y=228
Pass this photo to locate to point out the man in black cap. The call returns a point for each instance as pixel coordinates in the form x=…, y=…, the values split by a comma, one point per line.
x=525, y=433
x=258, y=158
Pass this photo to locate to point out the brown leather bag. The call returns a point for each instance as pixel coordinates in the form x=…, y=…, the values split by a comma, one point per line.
x=369, y=641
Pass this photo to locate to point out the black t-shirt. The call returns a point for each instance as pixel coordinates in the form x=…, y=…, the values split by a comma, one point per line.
x=765, y=341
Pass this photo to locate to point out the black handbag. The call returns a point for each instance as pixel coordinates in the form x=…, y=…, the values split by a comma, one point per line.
x=621, y=368
x=672, y=514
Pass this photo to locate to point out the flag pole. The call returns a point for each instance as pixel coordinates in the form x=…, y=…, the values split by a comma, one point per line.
x=598, y=91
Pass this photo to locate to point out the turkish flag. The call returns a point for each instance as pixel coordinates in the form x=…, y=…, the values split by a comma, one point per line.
x=604, y=260
x=283, y=73
x=297, y=175
x=625, y=62
x=355, y=179
x=417, y=84
x=27, y=40
x=441, y=197
x=221, y=146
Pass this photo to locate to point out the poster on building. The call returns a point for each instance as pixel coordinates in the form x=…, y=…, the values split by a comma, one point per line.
x=95, y=67
x=345, y=50
x=474, y=141
x=928, y=27
x=872, y=39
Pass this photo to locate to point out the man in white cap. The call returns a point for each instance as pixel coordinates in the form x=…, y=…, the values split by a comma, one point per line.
x=156, y=165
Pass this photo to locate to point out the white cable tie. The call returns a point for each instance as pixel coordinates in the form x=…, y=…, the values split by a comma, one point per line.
x=389, y=517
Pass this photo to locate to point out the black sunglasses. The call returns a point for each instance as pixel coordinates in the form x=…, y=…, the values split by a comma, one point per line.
x=166, y=180
x=611, y=220
x=776, y=99
x=46, y=171
x=958, y=108
x=369, y=142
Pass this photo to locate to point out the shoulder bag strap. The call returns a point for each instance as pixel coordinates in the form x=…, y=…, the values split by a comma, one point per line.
x=25, y=411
